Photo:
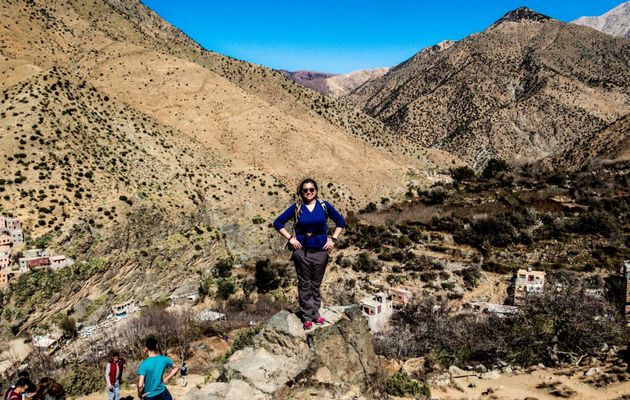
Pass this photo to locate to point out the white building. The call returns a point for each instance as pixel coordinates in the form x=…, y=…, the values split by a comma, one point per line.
x=378, y=309
x=16, y=235
x=527, y=281
x=121, y=310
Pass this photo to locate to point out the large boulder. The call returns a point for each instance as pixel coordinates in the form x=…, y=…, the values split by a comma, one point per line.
x=334, y=361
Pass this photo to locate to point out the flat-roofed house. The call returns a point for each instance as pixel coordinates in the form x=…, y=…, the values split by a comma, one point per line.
x=5, y=243
x=400, y=296
x=5, y=260
x=121, y=310
x=377, y=309
x=16, y=235
x=57, y=262
x=35, y=264
x=527, y=281
x=12, y=223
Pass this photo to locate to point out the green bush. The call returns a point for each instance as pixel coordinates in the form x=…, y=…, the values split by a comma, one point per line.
x=265, y=277
x=225, y=288
x=400, y=384
x=244, y=338
x=81, y=379
x=461, y=174
x=223, y=268
x=494, y=167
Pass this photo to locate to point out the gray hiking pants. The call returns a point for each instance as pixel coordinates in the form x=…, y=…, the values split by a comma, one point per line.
x=310, y=266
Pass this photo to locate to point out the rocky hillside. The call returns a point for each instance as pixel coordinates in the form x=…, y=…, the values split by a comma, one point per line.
x=335, y=85
x=615, y=22
x=524, y=89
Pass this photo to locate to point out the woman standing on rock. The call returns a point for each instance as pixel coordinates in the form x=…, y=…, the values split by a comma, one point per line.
x=310, y=245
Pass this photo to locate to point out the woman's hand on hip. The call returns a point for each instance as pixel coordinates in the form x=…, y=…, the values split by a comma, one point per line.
x=329, y=244
x=295, y=243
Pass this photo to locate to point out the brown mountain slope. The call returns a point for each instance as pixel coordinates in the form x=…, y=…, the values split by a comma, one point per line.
x=150, y=158
x=252, y=115
x=523, y=89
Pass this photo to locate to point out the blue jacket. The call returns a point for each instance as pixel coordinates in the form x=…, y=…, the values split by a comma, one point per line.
x=310, y=229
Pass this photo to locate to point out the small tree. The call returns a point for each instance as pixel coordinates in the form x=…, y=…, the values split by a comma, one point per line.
x=265, y=278
x=494, y=167
x=68, y=326
x=461, y=174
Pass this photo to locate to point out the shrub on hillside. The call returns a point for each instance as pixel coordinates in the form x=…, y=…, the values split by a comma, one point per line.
x=367, y=264
x=400, y=384
x=461, y=174
x=560, y=326
x=494, y=167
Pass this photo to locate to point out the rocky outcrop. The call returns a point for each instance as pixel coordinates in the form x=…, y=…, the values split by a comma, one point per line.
x=335, y=361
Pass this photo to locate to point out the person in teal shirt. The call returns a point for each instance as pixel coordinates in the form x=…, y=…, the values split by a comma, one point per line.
x=150, y=372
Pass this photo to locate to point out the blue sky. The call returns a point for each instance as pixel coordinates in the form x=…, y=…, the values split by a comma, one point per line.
x=344, y=35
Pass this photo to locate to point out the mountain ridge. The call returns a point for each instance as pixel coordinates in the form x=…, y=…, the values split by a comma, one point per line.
x=516, y=91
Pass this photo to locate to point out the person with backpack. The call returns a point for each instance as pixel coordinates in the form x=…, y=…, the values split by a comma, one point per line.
x=310, y=245
x=183, y=375
x=16, y=391
x=113, y=376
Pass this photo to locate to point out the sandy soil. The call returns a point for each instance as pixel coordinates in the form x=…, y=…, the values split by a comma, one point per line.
x=177, y=391
x=510, y=387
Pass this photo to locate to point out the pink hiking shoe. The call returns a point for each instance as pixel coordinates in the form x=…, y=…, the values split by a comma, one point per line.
x=320, y=321
x=308, y=325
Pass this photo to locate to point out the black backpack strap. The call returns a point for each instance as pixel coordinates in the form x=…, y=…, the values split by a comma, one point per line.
x=324, y=207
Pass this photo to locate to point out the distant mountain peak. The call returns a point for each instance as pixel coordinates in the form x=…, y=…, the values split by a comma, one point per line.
x=522, y=14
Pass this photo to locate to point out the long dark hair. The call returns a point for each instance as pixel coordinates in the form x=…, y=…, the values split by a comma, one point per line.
x=299, y=196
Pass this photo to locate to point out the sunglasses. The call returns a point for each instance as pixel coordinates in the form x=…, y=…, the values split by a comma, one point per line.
x=308, y=190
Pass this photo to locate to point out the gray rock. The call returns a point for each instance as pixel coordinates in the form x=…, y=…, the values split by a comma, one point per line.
x=264, y=370
x=454, y=371
x=507, y=370
x=494, y=374
x=235, y=389
x=591, y=372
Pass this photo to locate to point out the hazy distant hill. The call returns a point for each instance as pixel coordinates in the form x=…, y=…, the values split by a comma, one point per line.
x=615, y=22
x=335, y=85
x=526, y=88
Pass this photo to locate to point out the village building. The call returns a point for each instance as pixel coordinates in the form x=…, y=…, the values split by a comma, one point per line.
x=5, y=243
x=5, y=260
x=5, y=275
x=57, y=262
x=12, y=223
x=527, y=281
x=377, y=309
x=121, y=310
x=36, y=264
x=209, y=315
x=34, y=253
x=491, y=308
x=17, y=236
x=400, y=296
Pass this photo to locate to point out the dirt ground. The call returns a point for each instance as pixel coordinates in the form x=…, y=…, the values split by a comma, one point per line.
x=177, y=391
x=519, y=387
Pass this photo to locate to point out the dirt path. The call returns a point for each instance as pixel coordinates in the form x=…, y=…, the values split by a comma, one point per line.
x=510, y=387
x=177, y=391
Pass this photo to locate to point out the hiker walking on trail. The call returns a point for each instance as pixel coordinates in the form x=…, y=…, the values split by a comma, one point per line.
x=183, y=375
x=150, y=372
x=113, y=376
x=310, y=245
